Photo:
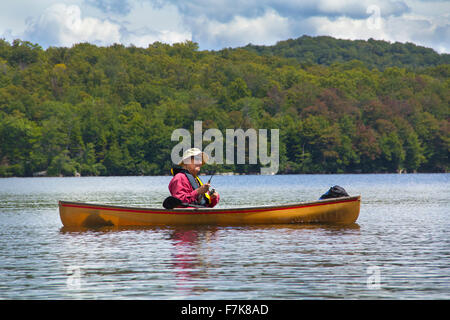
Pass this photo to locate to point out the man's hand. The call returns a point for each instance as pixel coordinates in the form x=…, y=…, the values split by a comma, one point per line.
x=214, y=194
x=203, y=189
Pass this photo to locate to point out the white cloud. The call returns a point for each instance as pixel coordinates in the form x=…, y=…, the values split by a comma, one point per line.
x=265, y=29
x=111, y=6
x=358, y=8
x=15, y=14
x=63, y=25
x=145, y=24
x=348, y=28
x=216, y=24
x=226, y=10
x=142, y=38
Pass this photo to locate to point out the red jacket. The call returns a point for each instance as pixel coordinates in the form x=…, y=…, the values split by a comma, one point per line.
x=180, y=188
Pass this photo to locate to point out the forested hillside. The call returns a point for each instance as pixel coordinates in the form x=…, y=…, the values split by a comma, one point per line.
x=111, y=110
x=373, y=53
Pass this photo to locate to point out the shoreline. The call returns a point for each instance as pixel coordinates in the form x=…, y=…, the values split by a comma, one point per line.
x=235, y=174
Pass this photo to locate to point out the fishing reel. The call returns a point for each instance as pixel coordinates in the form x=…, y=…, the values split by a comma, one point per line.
x=211, y=192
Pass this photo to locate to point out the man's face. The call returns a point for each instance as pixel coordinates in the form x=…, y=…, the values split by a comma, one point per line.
x=194, y=165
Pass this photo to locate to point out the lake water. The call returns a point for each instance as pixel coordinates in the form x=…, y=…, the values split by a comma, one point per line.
x=398, y=249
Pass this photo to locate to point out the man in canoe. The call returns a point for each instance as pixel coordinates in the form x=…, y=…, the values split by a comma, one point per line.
x=187, y=186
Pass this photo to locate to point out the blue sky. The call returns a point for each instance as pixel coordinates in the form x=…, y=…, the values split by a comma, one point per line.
x=217, y=24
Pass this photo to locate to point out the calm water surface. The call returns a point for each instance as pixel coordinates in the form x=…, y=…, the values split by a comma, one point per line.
x=398, y=249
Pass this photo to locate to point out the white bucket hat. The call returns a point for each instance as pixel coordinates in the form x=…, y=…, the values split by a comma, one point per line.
x=193, y=152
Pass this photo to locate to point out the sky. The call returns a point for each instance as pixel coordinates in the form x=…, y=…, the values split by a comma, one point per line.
x=218, y=24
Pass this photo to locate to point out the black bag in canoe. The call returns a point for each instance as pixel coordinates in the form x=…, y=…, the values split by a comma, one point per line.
x=334, y=192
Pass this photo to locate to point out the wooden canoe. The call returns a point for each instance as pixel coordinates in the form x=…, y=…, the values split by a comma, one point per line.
x=340, y=211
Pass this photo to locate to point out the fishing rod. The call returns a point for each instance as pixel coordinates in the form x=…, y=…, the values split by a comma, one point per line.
x=209, y=181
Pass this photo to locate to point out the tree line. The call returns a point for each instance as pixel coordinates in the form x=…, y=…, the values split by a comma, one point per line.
x=373, y=53
x=94, y=110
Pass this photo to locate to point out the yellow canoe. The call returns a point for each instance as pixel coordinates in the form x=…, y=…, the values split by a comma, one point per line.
x=340, y=211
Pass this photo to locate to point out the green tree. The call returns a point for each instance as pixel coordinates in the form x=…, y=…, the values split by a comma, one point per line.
x=392, y=153
x=18, y=140
x=62, y=164
x=238, y=89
